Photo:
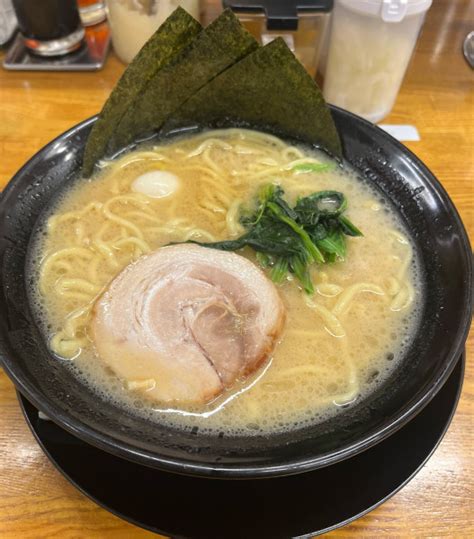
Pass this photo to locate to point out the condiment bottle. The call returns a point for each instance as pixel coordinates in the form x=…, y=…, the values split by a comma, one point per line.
x=370, y=46
x=301, y=23
x=7, y=21
x=132, y=22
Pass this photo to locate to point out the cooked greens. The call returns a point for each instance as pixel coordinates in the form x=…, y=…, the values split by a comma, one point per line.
x=174, y=34
x=291, y=239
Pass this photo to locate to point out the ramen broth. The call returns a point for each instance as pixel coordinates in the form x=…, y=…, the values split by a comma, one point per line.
x=338, y=344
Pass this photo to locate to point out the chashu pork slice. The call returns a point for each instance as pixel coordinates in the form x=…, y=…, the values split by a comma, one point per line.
x=185, y=322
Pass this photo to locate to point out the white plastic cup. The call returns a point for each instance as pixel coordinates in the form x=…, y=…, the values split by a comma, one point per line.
x=132, y=23
x=7, y=21
x=370, y=47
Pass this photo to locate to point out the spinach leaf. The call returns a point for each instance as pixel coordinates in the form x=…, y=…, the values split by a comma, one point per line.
x=290, y=239
x=349, y=228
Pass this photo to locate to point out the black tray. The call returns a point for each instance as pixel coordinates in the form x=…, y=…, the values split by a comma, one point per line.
x=301, y=505
x=89, y=57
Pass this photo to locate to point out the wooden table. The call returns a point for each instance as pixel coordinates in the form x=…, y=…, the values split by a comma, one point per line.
x=437, y=97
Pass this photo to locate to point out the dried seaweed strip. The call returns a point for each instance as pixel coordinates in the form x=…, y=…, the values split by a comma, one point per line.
x=172, y=36
x=268, y=89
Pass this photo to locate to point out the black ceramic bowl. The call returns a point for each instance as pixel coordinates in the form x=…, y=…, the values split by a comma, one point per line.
x=446, y=259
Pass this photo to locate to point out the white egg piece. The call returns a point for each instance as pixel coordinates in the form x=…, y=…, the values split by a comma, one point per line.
x=156, y=184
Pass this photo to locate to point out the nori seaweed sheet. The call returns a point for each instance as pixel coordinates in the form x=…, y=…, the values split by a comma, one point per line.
x=174, y=34
x=219, y=46
x=268, y=89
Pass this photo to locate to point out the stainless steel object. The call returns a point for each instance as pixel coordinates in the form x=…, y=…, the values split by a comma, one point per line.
x=301, y=23
x=89, y=57
x=468, y=49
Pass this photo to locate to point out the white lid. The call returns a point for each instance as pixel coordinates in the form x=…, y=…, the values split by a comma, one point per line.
x=387, y=10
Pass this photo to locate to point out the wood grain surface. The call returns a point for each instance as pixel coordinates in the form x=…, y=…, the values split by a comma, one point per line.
x=438, y=98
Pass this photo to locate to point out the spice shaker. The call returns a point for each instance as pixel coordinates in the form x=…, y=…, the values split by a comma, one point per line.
x=301, y=23
x=370, y=46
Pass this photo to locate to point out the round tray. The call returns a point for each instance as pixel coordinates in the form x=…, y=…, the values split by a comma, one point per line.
x=301, y=505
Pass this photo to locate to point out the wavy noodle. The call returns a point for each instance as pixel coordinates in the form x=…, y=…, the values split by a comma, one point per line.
x=65, y=347
x=62, y=265
x=71, y=294
x=392, y=286
x=137, y=157
x=292, y=151
x=99, y=235
x=243, y=149
x=80, y=231
x=68, y=342
x=266, y=172
x=347, y=297
x=93, y=268
x=207, y=145
x=178, y=221
x=141, y=215
x=234, y=228
x=302, y=161
x=146, y=385
x=203, y=170
x=199, y=234
x=267, y=162
x=77, y=284
x=142, y=245
x=212, y=164
x=106, y=250
x=79, y=214
x=329, y=290
x=405, y=264
x=405, y=295
x=120, y=220
x=331, y=322
x=286, y=168
x=312, y=369
x=165, y=229
x=68, y=252
x=322, y=276
x=404, y=298
x=122, y=225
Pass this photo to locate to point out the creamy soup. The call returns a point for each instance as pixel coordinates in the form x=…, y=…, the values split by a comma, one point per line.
x=337, y=344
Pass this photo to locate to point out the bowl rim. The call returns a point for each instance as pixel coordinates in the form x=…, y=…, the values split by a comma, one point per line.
x=176, y=465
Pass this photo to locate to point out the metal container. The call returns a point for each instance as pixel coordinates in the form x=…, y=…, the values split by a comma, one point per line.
x=301, y=23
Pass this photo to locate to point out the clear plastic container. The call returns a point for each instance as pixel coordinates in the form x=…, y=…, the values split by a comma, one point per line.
x=370, y=46
x=301, y=23
x=132, y=22
x=92, y=12
x=7, y=21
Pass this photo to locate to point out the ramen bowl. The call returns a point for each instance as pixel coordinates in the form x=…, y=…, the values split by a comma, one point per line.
x=445, y=258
